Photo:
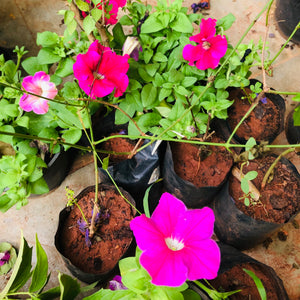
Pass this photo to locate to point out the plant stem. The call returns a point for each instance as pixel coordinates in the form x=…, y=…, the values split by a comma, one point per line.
x=283, y=46
x=270, y=170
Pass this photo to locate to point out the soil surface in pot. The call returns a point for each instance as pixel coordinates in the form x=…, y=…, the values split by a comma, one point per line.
x=118, y=145
x=201, y=165
x=263, y=123
x=279, y=199
x=237, y=279
x=111, y=240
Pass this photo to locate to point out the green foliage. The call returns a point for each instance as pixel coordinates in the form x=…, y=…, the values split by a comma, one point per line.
x=180, y=98
x=23, y=271
x=137, y=280
x=258, y=283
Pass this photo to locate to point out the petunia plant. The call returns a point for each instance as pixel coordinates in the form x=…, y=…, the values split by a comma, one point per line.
x=175, y=246
x=180, y=81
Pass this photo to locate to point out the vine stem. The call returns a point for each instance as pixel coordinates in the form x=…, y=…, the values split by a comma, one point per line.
x=270, y=170
x=283, y=46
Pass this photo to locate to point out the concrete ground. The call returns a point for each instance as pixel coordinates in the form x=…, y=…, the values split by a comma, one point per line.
x=20, y=20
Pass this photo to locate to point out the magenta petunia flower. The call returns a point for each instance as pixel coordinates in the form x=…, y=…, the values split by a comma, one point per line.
x=210, y=48
x=4, y=258
x=40, y=85
x=100, y=71
x=176, y=243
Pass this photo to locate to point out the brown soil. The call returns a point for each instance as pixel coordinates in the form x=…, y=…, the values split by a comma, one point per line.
x=263, y=123
x=237, y=279
x=111, y=240
x=279, y=200
x=202, y=165
x=118, y=145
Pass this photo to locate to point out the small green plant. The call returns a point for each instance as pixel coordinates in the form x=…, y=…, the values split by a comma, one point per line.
x=249, y=196
x=258, y=283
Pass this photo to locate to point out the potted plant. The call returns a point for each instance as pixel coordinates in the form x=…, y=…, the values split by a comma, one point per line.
x=37, y=134
x=93, y=235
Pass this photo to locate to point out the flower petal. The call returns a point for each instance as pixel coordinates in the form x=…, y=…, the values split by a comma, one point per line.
x=192, y=53
x=165, y=267
x=165, y=212
x=203, y=259
x=146, y=233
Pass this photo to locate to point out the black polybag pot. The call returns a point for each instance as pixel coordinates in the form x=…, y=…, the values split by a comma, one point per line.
x=235, y=228
x=192, y=196
x=136, y=174
x=222, y=126
x=58, y=167
x=287, y=15
x=77, y=272
x=292, y=131
x=231, y=257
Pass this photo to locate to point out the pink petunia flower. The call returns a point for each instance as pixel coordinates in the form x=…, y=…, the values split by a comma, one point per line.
x=100, y=71
x=210, y=48
x=110, y=8
x=40, y=85
x=176, y=243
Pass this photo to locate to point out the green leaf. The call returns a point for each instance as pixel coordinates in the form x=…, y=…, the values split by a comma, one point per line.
x=40, y=272
x=71, y=135
x=149, y=96
x=125, y=20
x=50, y=294
x=152, y=24
x=88, y=24
x=119, y=34
x=226, y=21
x=65, y=67
x=83, y=6
x=105, y=163
x=69, y=16
x=251, y=175
x=39, y=187
x=96, y=13
x=258, y=283
x=6, y=138
x=31, y=66
x=71, y=27
x=127, y=105
x=247, y=201
x=164, y=93
x=159, y=57
x=21, y=272
x=188, y=81
x=182, y=24
x=245, y=185
x=296, y=98
x=296, y=116
x=106, y=294
x=47, y=39
x=46, y=56
x=69, y=287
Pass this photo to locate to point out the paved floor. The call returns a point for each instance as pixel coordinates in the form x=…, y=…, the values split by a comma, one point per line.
x=20, y=20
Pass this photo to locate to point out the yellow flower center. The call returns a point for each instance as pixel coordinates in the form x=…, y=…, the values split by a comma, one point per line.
x=205, y=45
x=98, y=76
x=174, y=244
